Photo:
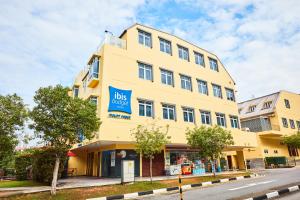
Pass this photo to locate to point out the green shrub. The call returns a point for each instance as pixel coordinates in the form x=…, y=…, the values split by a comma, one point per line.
x=276, y=160
x=43, y=165
x=21, y=163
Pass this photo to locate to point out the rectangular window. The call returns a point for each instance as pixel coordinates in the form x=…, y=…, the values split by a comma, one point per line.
x=183, y=53
x=213, y=64
x=267, y=105
x=234, y=121
x=186, y=82
x=293, y=151
x=217, y=91
x=251, y=108
x=165, y=46
x=145, y=71
x=205, y=117
x=202, y=87
x=298, y=124
x=145, y=108
x=167, y=77
x=94, y=69
x=188, y=114
x=199, y=59
x=230, y=94
x=221, y=121
x=169, y=112
x=287, y=103
x=266, y=151
x=145, y=38
x=75, y=91
x=94, y=100
x=285, y=123
x=292, y=124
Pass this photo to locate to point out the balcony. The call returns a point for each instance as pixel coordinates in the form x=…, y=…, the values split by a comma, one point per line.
x=112, y=40
x=93, y=73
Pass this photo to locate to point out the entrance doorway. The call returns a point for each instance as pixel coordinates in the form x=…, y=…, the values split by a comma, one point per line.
x=90, y=161
x=229, y=160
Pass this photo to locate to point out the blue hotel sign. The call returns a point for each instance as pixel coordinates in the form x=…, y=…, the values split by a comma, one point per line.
x=119, y=100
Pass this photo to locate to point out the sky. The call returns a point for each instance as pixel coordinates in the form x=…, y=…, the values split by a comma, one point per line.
x=48, y=42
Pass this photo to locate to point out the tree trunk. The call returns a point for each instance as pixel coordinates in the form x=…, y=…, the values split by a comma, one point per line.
x=55, y=174
x=213, y=167
x=151, y=169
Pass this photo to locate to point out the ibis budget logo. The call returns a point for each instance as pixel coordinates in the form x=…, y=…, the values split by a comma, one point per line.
x=119, y=100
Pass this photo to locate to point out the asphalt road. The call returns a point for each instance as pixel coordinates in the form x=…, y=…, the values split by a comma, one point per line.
x=272, y=180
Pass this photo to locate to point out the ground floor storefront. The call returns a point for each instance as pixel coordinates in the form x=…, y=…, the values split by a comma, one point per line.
x=103, y=159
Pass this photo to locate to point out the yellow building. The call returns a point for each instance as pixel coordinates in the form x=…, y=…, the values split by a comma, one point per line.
x=271, y=117
x=145, y=76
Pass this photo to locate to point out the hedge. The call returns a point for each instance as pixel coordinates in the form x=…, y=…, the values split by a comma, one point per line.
x=21, y=163
x=276, y=160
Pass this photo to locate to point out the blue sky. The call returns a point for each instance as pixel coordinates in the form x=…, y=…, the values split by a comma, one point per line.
x=48, y=42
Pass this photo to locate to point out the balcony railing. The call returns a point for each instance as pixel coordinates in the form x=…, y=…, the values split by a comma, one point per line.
x=112, y=40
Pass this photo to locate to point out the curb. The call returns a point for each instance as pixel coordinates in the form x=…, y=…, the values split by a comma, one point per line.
x=165, y=190
x=276, y=193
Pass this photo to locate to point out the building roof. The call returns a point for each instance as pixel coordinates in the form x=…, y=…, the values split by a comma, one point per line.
x=179, y=39
x=259, y=103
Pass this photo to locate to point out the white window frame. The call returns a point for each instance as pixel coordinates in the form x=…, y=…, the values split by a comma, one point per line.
x=169, y=108
x=145, y=68
x=221, y=118
x=186, y=82
x=204, y=114
x=183, y=53
x=165, y=46
x=76, y=88
x=230, y=94
x=285, y=122
x=189, y=113
x=292, y=123
x=143, y=35
x=168, y=75
x=213, y=63
x=199, y=59
x=94, y=100
x=215, y=86
x=234, y=121
x=200, y=86
x=146, y=104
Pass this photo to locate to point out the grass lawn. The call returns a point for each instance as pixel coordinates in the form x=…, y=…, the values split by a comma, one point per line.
x=7, y=184
x=84, y=193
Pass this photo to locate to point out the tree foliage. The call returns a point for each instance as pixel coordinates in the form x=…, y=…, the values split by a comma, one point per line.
x=13, y=115
x=210, y=140
x=292, y=140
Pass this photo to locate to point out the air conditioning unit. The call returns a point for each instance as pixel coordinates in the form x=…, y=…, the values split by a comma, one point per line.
x=246, y=129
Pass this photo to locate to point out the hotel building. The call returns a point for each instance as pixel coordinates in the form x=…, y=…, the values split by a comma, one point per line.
x=149, y=76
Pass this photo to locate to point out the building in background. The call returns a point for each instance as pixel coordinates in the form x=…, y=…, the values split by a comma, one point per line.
x=272, y=117
x=145, y=76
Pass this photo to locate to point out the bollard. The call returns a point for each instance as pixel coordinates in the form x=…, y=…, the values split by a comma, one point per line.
x=180, y=188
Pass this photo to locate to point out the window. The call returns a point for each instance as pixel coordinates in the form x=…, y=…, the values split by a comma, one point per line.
x=266, y=151
x=251, y=108
x=293, y=151
x=199, y=59
x=221, y=121
x=213, y=64
x=217, y=91
x=186, y=82
x=298, y=124
x=205, y=117
x=145, y=108
x=202, y=87
x=167, y=77
x=145, y=38
x=94, y=69
x=276, y=151
x=188, y=114
x=292, y=124
x=168, y=112
x=234, y=121
x=267, y=105
x=287, y=103
x=75, y=91
x=285, y=123
x=145, y=71
x=230, y=94
x=183, y=53
x=94, y=100
x=165, y=46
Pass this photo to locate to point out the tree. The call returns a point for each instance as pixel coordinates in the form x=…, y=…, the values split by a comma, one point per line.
x=13, y=115
x=150, y=141
x=292, y=140
x=210, y=140
x=61, y=121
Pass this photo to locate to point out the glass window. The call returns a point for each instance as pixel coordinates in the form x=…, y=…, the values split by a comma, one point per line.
x=267, y=105
x=188, y=114
x=94, y=69
x=166, y=77
x=213, y=64
x=205, y=117
x=199, y=59
x=186, y=82
x=76, y=91
x=183, y=53
x=266, y=151
x=145, y=108
x=251, y=108
x=168, y=112
x=285, y=123
x=145, y=38
x=145, y=71
x=202, y=87
x=165, y=46
x=230, y=94
x=94, y=100
x=292, y=124
x=298, y=124
x=287, y=103
x=221, y=121
x=234, y=121
x=217, y=91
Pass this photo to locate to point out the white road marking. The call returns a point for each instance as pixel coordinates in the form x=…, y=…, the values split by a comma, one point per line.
x=251, y=185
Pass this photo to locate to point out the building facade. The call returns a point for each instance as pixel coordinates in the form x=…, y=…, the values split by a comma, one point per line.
x=148, y=76
x=272, y=117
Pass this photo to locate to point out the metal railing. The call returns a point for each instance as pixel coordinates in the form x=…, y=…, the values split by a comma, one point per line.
x=112, y=40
